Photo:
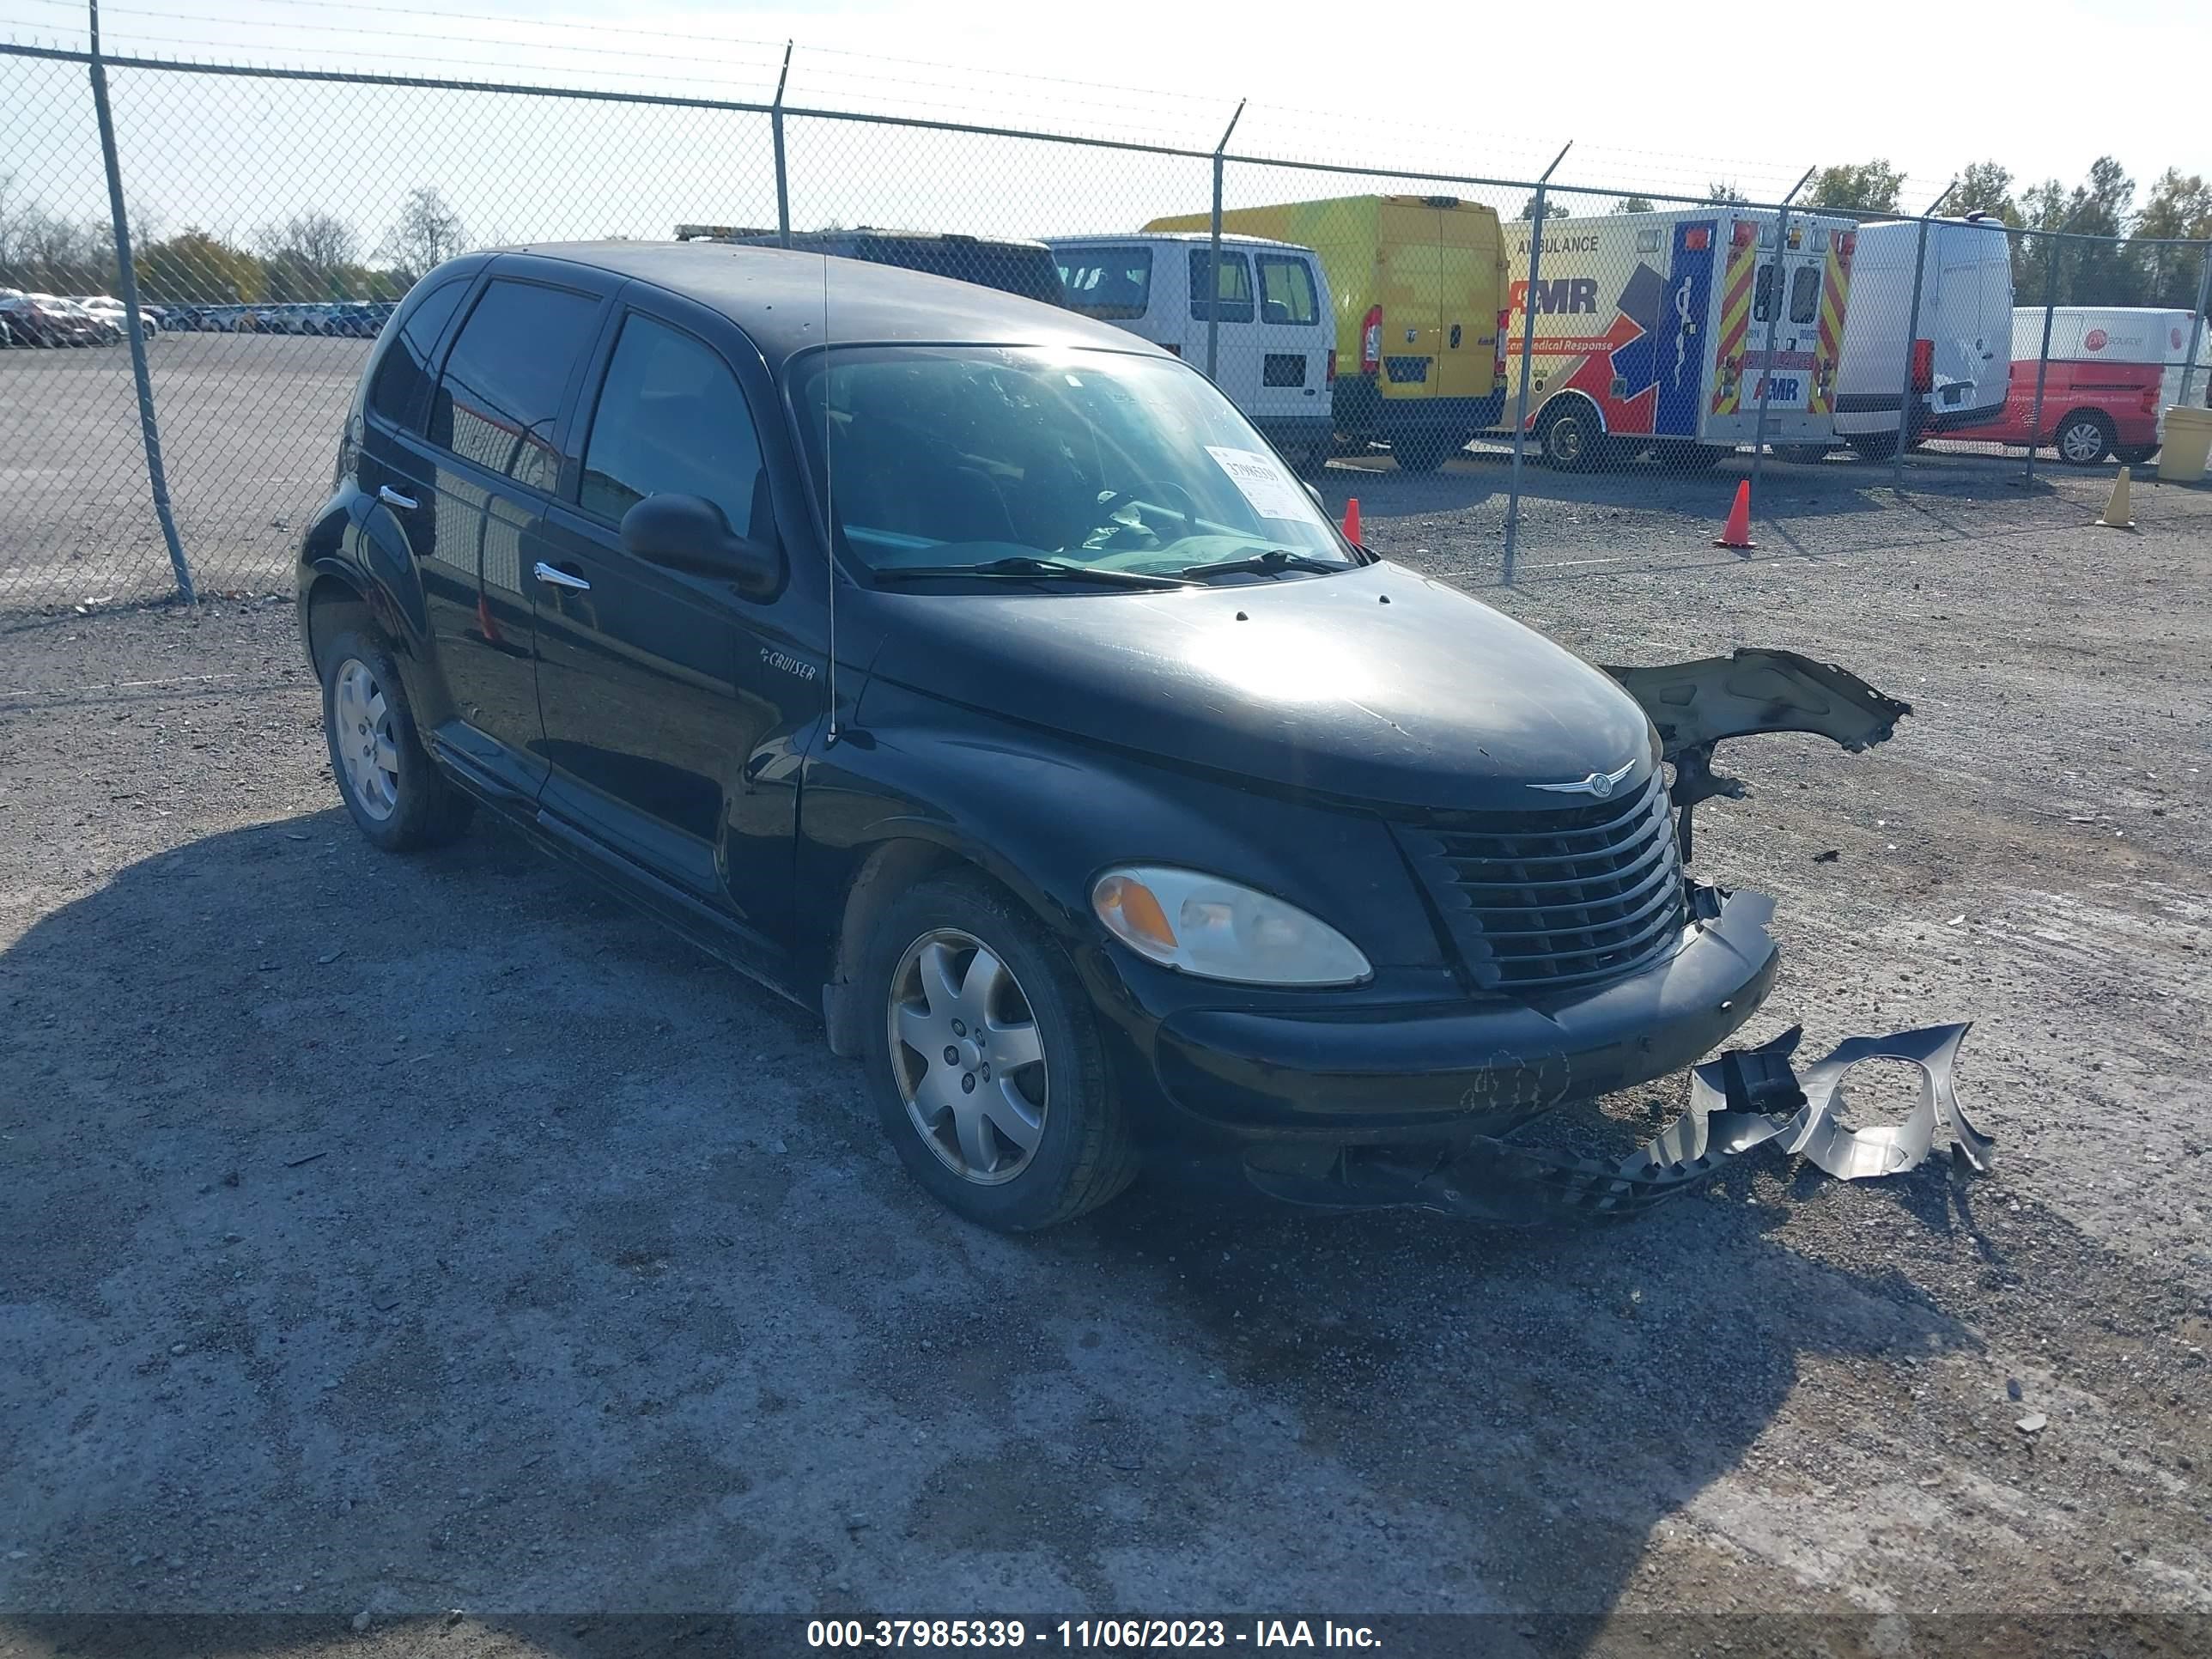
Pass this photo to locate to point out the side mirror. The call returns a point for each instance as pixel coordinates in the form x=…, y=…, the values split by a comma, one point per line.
x=689, y=533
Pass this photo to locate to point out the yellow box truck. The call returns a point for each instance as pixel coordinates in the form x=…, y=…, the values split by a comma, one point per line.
x=1418, y=283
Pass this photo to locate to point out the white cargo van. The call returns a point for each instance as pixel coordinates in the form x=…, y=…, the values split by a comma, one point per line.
x=1276, y=348
x=1958, y=360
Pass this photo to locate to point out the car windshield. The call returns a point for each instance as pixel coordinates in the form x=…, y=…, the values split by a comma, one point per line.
x=970, y=456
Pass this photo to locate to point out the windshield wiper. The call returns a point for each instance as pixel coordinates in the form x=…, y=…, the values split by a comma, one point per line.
x=1268, y=561
x=1027, y=568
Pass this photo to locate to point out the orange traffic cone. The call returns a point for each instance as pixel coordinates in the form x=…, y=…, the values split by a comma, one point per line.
x=1352, y=522
x=1737, y=532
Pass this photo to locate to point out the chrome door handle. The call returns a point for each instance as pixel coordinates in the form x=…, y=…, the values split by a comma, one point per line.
x=392, y=497
x=546, y=574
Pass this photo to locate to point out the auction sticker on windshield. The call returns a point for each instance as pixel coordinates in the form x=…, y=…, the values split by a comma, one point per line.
x=1261, y=481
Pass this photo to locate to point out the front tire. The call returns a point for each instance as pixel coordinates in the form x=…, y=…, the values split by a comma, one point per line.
x=1572, y=438
x=397, y=797
x=986, y=1062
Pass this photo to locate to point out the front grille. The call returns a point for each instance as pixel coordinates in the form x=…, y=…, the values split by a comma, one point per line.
x=1557, y=898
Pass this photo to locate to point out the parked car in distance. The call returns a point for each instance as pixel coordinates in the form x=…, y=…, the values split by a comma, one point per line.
x=1958, y=358
x=2113, y=371
x=1124, y=800
x=1272, y=326
x=1010, y=264
x=110, y=310
x=46, y=319
x=1420, y=287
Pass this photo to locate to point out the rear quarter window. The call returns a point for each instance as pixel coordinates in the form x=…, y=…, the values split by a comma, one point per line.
x=400, y=393
x=1114, y=284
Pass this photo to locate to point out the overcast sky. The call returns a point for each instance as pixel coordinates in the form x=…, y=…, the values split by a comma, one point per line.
x=1656, y=97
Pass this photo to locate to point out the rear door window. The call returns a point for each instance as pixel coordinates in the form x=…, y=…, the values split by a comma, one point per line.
x=1762, y=304
x=1286, y=290
x=401, y=391
x=1805, y=293
x=1231, y=287
x=671, y=421
x=1114, y=284
x=500, y=397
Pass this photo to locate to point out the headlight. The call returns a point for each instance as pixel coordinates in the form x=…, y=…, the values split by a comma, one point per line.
x=1219, y=930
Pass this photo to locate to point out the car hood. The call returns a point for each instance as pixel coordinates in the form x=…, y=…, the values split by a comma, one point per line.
x=1377, y=685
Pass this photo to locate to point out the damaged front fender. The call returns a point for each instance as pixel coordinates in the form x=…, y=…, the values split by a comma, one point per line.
x=1698, y=705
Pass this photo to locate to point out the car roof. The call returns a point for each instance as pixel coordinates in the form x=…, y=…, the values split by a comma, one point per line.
x=1093, y=238
x=776, y=295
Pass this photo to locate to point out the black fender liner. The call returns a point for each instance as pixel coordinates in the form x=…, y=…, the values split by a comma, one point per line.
x=1699, y=704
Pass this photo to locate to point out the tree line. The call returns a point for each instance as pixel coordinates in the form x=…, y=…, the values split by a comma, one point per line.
x=306, y=256
x=2132, y=265
x=320, y=257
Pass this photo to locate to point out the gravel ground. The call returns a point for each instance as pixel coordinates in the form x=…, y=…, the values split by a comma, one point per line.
x=384, y=1236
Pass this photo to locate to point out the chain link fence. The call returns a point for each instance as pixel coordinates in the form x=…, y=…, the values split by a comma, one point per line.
x=1514, y=351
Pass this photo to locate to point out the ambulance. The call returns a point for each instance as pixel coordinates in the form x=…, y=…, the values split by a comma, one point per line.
x=1651, y=334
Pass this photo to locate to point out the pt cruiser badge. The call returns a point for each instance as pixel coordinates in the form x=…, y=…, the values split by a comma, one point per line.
x=1600, y=783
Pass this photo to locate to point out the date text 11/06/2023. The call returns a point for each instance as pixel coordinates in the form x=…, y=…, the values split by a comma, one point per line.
x=1103, y=1634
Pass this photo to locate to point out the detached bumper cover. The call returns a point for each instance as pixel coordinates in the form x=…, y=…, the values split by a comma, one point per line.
x=1446, y=1073
x=1746, y=1098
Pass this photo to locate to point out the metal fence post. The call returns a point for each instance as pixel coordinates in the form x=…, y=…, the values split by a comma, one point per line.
x=127, y=278
x=1528, y=351
x=1213, y=255
x=1776, y=297
x=775, y=133
x=1906, y=388
x=2042, y=358
x=2197, y=325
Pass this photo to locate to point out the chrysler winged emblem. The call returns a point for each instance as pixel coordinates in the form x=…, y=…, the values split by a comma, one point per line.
x=1600, y=783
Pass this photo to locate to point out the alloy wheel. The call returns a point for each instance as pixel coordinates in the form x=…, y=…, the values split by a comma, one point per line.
x=967, y=1056
x=362, y=735
x=2082, y=443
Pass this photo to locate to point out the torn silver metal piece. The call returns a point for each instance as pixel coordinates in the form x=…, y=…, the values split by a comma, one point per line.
x=1887, y=1149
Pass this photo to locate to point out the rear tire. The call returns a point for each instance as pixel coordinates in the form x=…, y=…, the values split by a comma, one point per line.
x=1049, y=1136
x=1801, y=454
x=397, y=797
x=2137, y=454
x=2084, y=438
x=1872, y=445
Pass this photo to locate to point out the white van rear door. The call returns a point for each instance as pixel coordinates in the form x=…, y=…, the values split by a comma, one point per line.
x=1292, y=334
x=1237, y=367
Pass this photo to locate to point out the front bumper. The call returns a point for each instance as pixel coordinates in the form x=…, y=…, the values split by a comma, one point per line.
x=1444, y=1073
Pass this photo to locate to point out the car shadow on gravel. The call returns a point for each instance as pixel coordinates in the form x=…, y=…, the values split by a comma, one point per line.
x=397, y=1235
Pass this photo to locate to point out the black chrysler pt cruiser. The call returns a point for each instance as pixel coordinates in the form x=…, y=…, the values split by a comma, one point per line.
x=974, y=672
